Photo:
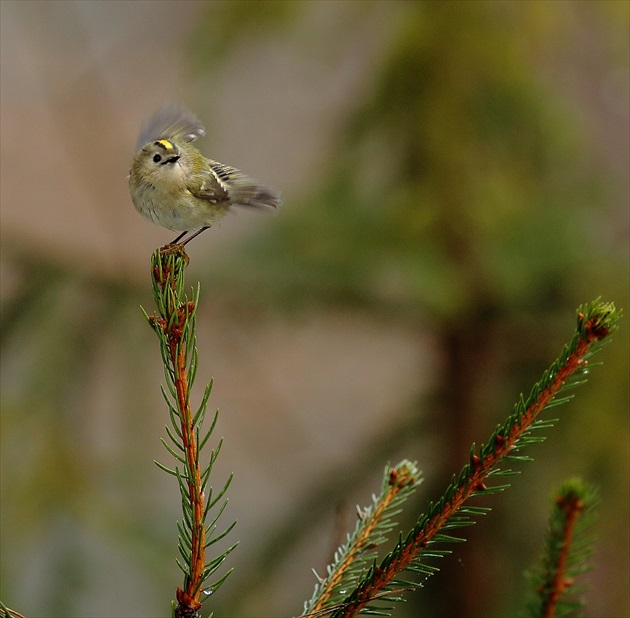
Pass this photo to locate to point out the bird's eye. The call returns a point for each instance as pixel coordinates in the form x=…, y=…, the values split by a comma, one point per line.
x=157, y=158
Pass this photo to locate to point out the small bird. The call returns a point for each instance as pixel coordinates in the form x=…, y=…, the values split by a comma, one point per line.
x=172, y=184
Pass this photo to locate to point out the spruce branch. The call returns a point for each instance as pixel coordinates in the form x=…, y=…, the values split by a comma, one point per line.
x=174, y=324
x=567, y=549
x=373, y=525
x=7, y=612
x=595, y=322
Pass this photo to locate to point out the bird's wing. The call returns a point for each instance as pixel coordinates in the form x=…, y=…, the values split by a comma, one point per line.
x=172, y=121
x=207, y=186
x=241, y=189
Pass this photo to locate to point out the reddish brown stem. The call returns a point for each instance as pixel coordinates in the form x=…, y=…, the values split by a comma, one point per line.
x=481, y=469
x=188, y=599
x=396, y=482
x=572, y=507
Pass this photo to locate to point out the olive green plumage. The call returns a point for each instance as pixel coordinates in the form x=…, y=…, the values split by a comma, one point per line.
x=173, y=185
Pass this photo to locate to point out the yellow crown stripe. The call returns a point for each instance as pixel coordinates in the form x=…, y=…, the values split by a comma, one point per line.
x=168, y=145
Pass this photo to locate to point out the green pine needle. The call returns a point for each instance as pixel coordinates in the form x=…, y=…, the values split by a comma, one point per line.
x=595, y=322
x=567, y=548
x=371, y=530
x=174, y=323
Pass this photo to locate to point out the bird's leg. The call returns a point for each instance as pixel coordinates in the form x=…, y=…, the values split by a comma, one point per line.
x=203, y=229
x=174, y=242
x=177, y=245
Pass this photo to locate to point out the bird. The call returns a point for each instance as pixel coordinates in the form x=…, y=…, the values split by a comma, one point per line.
x=173, y=185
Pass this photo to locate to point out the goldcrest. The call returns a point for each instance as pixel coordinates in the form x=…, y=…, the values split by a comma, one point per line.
x=172, y=184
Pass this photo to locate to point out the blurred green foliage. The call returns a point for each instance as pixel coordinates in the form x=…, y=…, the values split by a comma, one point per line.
x=460, y=195
x=461, y=177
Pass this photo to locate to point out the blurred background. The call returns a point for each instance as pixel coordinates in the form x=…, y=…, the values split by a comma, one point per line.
x=455, y=182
